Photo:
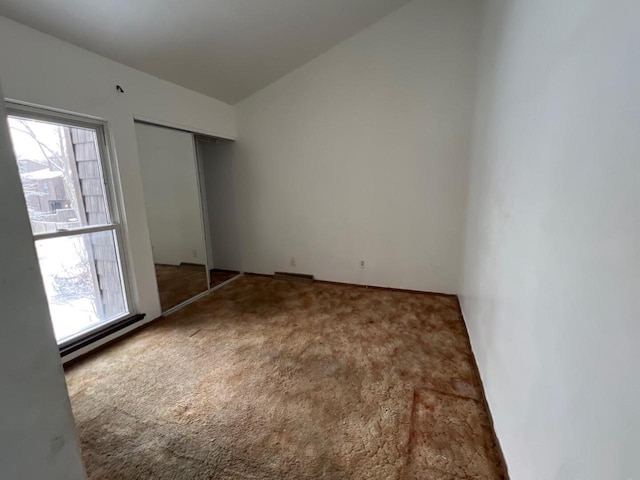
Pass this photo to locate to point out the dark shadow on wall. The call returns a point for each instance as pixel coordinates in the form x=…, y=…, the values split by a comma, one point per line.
x=219, y=183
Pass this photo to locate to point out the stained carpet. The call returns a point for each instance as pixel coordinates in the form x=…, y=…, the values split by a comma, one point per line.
x=274, y=380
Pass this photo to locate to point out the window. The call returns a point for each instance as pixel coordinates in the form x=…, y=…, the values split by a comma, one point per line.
x=55, y=205
x=77, y=236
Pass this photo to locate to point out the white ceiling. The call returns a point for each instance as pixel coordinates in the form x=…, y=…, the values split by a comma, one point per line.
x=227, y=49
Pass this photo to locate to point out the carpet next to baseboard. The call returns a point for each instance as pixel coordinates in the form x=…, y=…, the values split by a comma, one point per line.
x=282, y=380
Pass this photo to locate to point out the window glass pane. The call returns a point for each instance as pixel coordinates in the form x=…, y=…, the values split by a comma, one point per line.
x=82, y=278
x=61, y=175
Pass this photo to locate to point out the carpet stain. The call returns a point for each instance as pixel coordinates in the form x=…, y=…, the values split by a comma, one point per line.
x=276, y=380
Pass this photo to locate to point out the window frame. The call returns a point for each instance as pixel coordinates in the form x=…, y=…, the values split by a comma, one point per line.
x=114, y=203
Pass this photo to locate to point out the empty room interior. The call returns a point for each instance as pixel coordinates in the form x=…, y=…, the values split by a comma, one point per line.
x=336, y=239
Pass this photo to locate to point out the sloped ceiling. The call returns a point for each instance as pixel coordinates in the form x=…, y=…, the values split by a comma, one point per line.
x=227, y=49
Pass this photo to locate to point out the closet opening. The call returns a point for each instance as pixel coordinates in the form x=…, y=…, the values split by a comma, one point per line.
x=185, y=175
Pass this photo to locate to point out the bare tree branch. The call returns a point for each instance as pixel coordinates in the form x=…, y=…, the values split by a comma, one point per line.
x=52, y=157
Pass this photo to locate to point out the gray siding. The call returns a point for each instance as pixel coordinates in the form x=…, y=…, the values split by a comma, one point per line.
x=100, y=244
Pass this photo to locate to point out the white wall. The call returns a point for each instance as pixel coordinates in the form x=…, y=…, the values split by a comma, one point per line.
x=42, y=70
x=38, y=437
x=552, y=278
x=361, y=154
x=220, y=190
x=171, y=195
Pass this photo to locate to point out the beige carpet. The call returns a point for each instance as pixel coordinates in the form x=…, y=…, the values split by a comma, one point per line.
x=275, y=380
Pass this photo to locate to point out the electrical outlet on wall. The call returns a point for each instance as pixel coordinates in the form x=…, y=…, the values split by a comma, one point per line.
x=293, y=261
x=362, y=264
x=194, y=254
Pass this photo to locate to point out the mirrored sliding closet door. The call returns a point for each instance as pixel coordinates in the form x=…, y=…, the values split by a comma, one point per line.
x=174, y=212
